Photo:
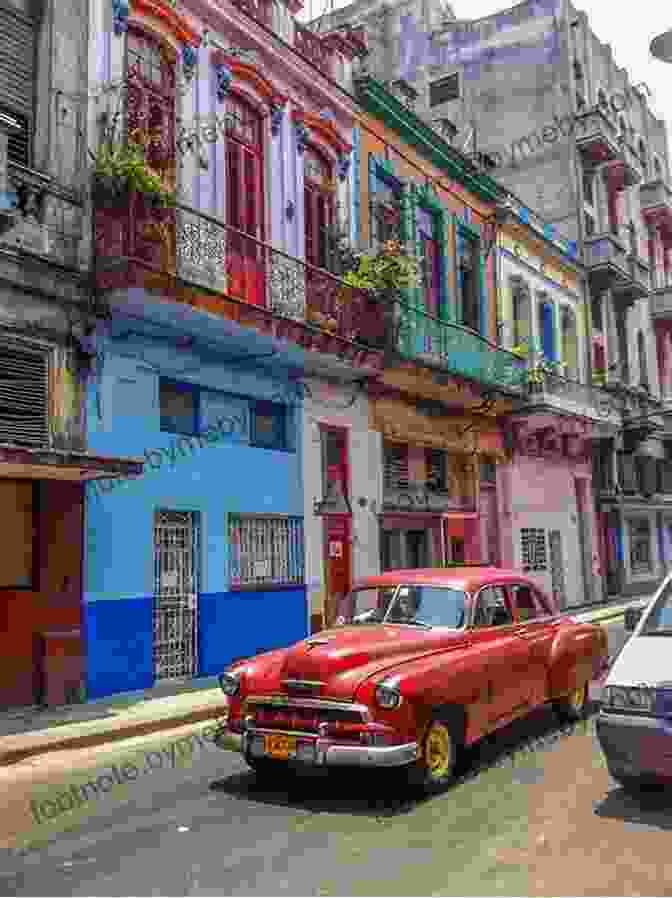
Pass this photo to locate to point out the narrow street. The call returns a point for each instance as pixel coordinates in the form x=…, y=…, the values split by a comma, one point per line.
x=533, y=812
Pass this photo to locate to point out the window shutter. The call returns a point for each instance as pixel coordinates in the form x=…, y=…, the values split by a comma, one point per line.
x=24, y=394
x=396, y=467
x=482, y=297
x=17, y=75
x=459, y=276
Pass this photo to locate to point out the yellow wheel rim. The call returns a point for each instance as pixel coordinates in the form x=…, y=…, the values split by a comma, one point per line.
x=438, y=751
x=576, y=698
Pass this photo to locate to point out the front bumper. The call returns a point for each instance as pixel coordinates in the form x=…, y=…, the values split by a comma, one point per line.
x=636, y=746
x=318, y=751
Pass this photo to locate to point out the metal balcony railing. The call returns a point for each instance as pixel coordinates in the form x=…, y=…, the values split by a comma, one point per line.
x=457, y=349
x=143, y=245
x=546, y=387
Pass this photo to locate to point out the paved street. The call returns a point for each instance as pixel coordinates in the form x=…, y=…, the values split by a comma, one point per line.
x=534, y=812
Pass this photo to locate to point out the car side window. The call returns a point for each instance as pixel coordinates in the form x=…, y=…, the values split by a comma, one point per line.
x=492, y=608
x=527, y=602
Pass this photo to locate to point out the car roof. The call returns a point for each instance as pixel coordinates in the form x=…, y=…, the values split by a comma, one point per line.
x=469, y=579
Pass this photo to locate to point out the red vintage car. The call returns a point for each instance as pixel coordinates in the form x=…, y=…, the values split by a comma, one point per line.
x=420, y=664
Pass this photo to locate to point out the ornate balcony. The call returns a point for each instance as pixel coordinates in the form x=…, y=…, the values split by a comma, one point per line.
x=639, y=283
x=596, y=138
x=625, y=171
x=449, y=347
x=550, y=391
x=606, y=262
x=195, y=258
x=655, y=202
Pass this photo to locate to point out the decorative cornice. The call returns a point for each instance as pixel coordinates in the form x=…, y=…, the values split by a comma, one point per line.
x=325, y=128
x=245, y=71
x=379, y=102
x=166, y=15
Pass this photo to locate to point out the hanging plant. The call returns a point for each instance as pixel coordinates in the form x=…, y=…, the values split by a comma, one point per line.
x=390, y=270
x=121, y=167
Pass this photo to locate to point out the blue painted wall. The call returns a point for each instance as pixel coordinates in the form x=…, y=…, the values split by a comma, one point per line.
x=226, y=476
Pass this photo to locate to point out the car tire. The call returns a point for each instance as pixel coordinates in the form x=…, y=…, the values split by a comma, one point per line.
x=434, y=768
x=636, y=786
x=266, y=769
x=574, y=706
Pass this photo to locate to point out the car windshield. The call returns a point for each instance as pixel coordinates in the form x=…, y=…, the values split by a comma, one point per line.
x=659, y=621
x=421, y=606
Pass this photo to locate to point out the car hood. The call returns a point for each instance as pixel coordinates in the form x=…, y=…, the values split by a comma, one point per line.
x=644, y=660
x=343, y=658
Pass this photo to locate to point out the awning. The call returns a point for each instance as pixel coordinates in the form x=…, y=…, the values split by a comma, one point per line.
x=21, y=463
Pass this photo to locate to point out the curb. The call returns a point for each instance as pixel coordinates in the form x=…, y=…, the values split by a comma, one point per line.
x=89, y=740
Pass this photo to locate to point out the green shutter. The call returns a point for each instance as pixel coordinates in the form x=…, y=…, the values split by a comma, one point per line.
x=483, y=313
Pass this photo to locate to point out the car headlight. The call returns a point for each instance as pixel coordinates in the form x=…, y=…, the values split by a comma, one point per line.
x=229, y=683
x=387, y=694
x=629, y=698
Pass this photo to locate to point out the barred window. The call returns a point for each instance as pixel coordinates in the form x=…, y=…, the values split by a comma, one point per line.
x=266, y=550
x=641, y=561
x=533, y=549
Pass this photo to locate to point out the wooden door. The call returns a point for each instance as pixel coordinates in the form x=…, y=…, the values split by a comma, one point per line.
x=337, y=557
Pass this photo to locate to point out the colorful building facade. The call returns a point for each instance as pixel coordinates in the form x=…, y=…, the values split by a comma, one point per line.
x=548, y=513
x=221, y=307
x=446, y=384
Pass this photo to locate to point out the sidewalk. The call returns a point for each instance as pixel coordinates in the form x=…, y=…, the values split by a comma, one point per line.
x=25, y=733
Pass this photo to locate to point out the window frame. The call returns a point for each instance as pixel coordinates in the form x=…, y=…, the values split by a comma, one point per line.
x=540, y=608
x=313, y=195
x=241, y=149
x=197, y=390
x=469, y=238
x=295, y=553
x=182, y=387
x=638, y=571
x=377, y=174
x=473, y=625
x=282, y=444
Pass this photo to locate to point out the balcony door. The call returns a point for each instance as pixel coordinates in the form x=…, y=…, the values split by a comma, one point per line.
x=244, y=202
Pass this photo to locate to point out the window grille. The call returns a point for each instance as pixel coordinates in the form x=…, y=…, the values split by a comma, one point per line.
x=533, y=549
x=396, y=467
x=266, y=550
x=24, y=393
x=436, y=470
x=640, y=546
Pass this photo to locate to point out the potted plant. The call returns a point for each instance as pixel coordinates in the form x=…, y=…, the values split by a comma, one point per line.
x=121, y=168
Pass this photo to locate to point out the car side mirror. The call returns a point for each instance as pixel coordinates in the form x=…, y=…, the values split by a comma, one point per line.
x=632, y=618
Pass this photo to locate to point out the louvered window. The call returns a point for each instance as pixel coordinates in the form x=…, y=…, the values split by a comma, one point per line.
x=436, y=470
x=24, y=394
x=17, y=77
x=396, y=467
x=18, y=135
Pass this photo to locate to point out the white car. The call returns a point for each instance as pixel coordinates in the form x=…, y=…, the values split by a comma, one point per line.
x=634, y=726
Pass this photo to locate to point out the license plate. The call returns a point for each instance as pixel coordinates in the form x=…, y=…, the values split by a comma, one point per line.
x=280, y=746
